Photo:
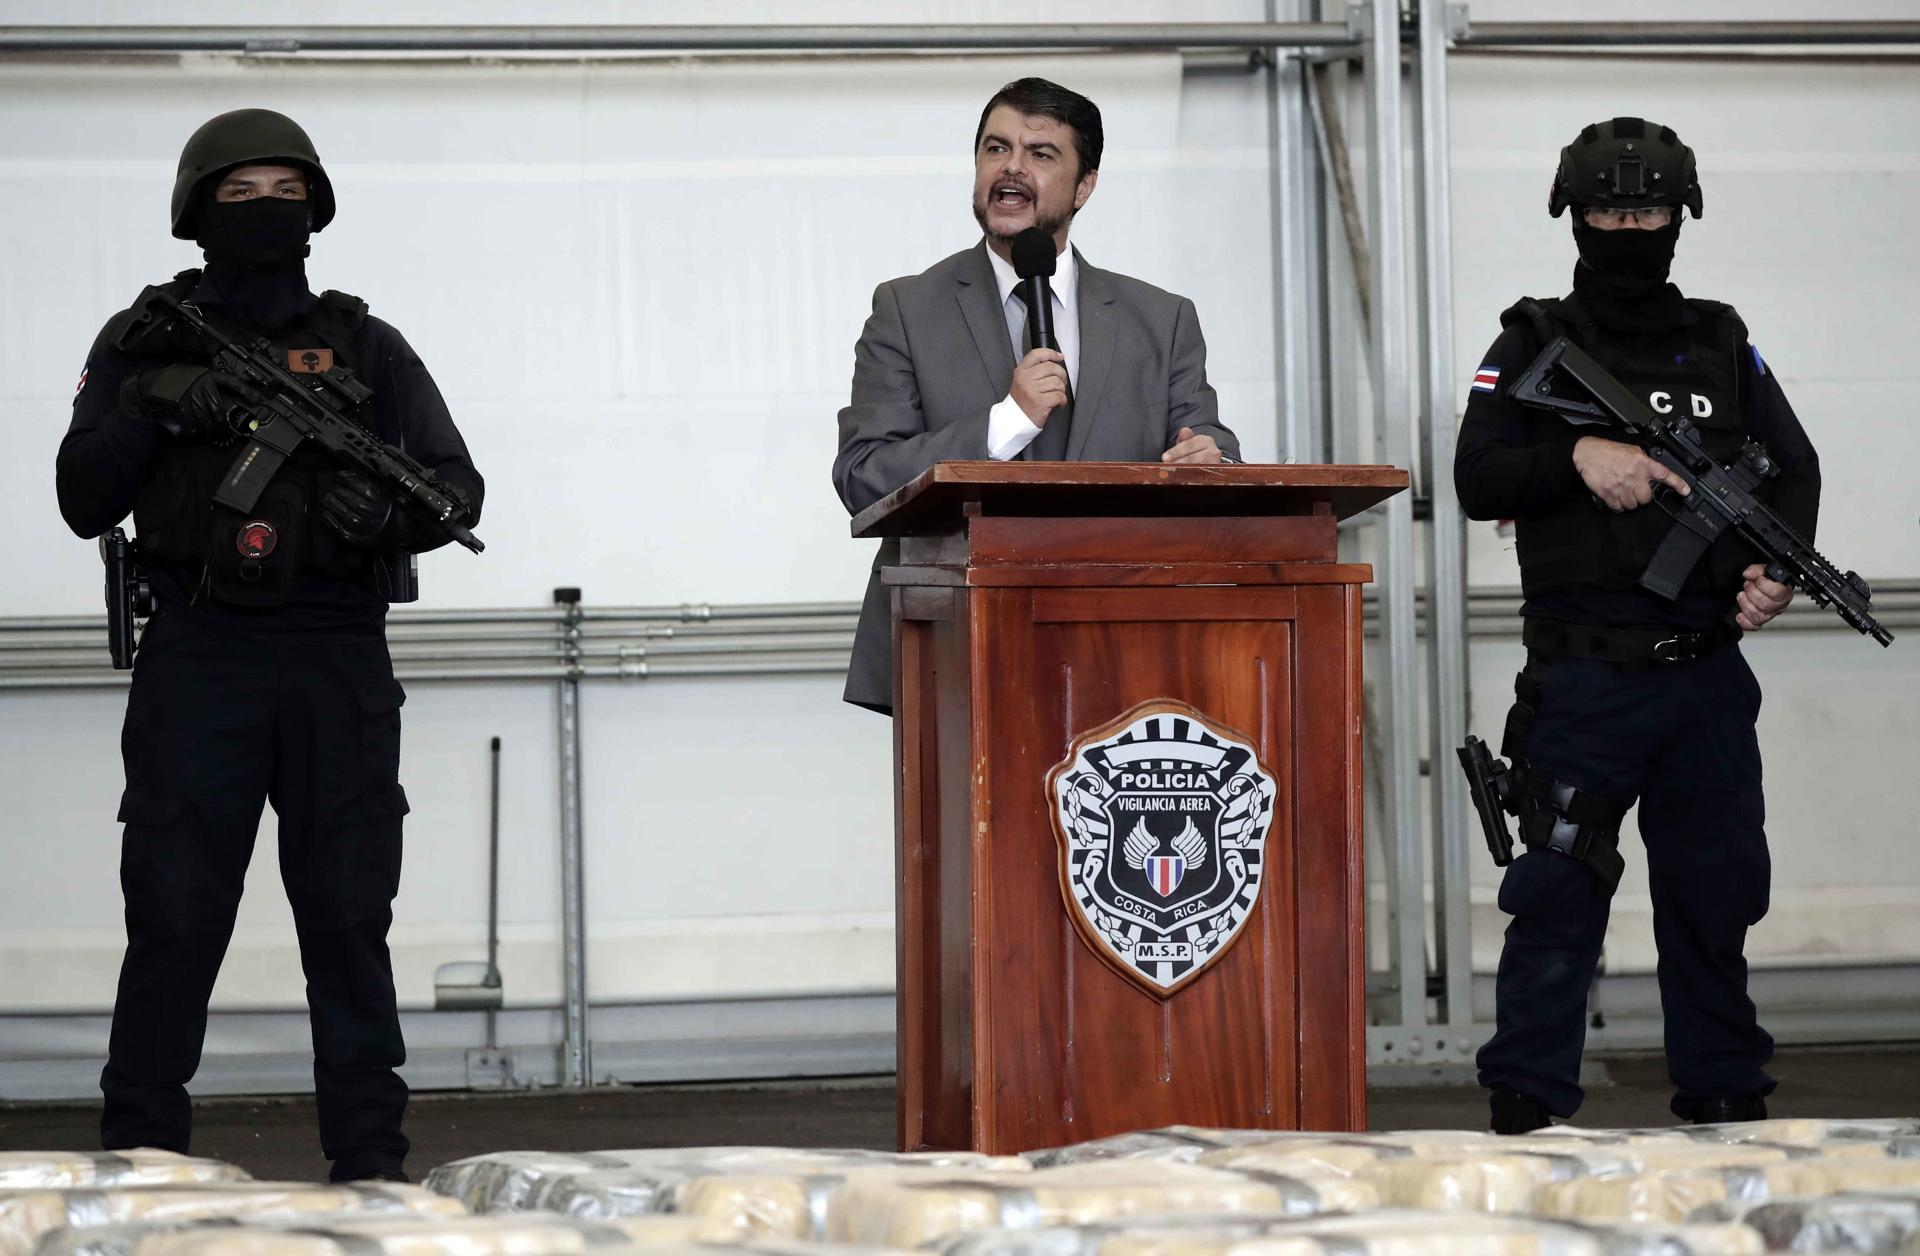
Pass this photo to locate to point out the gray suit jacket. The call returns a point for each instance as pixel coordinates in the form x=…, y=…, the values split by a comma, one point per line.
x=935, y=357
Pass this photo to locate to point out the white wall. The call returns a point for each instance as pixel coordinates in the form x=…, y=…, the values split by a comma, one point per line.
x=639, y=284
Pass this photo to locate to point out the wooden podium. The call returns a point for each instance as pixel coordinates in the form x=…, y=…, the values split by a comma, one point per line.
x=1053, y=624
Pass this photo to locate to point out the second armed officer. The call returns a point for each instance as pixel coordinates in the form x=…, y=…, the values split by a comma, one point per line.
x=1627, y=696
x=263, y=674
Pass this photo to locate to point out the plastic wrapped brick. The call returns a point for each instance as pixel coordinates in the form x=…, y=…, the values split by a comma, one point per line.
x=1388, y=1232
x=1802, y=1132
x=1473, y=1182
x=1178, y=1235
x=25, y=1216
x=1802, y=1178
x=1180, y=1144
x=1642, y=1238
x=20, y=1170
x=503, y=1181
x=375, y=1236
x=1385, y=1233
x=789, y=1204
x=1865, y=1222
x=1669, y=1196
x=1676, y=1157
x=626, y=1183
x=909, y=1210
x=1313, y=1156
x=769, y=1192
x=1092, y=1238
x=1435, y=1142
x=1577, y=1134
x=1792, y=1131
x=1045, y=1240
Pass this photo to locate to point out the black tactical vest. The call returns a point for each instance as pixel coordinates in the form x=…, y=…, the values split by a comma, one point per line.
x=252, y=560
x=1691, y=371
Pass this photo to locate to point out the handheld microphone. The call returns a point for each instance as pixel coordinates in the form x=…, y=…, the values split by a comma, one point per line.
x=1033, y=260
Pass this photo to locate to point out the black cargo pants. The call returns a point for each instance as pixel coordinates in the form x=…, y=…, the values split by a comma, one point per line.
x=1680, y=740
x=219, y=723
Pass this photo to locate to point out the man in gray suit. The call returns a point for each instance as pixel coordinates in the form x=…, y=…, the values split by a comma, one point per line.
x=943, y=370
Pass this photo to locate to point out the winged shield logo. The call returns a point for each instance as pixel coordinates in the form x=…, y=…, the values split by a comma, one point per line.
x=1164, y=872
x=1162, y=818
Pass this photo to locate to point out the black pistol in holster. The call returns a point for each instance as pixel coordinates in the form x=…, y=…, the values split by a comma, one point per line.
x=129, y=596
x=1490, y=785
x=1553, y=814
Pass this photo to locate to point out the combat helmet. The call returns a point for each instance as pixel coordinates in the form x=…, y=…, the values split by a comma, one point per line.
x=246, y=137
x=1625, y=163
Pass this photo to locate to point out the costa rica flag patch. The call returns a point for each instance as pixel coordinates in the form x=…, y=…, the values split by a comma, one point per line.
x=1485, y=378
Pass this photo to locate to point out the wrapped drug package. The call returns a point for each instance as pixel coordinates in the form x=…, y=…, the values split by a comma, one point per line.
x=901, y=1210
x=27, y=1215
x=143, y=1167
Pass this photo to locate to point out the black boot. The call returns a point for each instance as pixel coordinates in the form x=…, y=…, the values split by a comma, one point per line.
x=1720, y=1111
x=1515, y=1113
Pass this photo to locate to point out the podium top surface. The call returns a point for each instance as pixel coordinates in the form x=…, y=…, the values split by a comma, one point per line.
x=937, y=498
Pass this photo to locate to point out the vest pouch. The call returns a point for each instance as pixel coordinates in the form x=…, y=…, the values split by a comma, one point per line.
x=169, y=511
x=253, y=559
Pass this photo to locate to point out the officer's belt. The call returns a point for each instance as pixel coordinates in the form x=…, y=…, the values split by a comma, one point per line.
x=1642, y=646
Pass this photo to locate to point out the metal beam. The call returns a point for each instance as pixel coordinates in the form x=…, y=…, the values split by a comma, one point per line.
x=1287, y=201
x=1686, y=34
x=1446, y=575
x=1011, y=37
x=576, y=1046
x=39, y=653
x=1393, y=430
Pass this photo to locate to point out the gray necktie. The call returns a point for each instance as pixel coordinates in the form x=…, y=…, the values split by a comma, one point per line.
x=1051, y=444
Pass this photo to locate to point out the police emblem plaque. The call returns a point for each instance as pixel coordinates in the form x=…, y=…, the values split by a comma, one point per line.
x=1162, y=818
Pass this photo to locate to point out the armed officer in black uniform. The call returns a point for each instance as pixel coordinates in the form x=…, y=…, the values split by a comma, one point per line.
x=1626, y=696
x=263, y=674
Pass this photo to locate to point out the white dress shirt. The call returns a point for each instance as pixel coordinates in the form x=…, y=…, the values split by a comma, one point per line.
x=1009, y=430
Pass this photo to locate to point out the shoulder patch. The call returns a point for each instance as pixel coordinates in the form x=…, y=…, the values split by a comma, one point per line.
x=1759, y=363
x=1486, y=378
x=82, y=385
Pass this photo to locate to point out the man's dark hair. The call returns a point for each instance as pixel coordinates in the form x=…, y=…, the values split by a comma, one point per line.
x=1036, y=97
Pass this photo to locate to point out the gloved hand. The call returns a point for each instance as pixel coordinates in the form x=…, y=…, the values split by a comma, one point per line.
x=191, y=401
x=359, y=511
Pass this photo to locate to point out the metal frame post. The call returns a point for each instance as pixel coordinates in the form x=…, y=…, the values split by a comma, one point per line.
x=1447, y=538
x=1286, y=177
x=576, y=1048
x=1393, y=432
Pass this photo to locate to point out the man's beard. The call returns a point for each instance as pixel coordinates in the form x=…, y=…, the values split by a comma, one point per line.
x=1050, y=224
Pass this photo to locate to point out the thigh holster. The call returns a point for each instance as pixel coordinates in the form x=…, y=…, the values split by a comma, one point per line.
x=1553, y=814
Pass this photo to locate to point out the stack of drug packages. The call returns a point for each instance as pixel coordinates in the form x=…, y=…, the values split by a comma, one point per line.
x=156, y=1203
x=1804, y=1186
x=1736, y=1189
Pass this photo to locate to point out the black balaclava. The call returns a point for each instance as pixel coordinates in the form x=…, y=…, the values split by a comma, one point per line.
x=1621, y=277
x=256, y=257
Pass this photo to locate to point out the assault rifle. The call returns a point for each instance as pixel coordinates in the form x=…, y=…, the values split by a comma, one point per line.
x=1720, y=498
x=288, y=411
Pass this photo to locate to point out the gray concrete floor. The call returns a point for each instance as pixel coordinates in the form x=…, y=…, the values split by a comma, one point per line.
x=275, y=1138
